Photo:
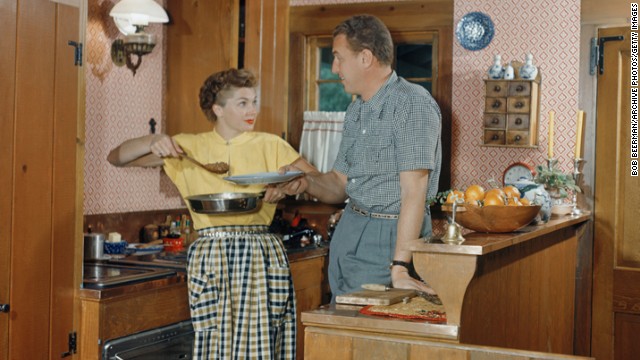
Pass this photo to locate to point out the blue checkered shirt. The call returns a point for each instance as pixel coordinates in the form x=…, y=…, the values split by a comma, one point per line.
x=397, y=130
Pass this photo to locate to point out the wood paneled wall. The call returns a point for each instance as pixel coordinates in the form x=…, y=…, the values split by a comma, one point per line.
x=267, y=55
x=202, y=38
x=38, y=132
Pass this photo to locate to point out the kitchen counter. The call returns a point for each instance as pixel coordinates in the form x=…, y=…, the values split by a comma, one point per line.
x=514, y=290
x=116, y=311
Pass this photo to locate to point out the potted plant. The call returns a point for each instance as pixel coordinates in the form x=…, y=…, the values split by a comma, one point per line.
x=555, y=181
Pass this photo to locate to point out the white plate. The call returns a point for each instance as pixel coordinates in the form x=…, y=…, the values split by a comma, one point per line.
x=144, y=251
x=263, y=178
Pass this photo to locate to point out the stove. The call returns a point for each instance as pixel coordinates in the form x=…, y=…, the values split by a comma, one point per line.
x=98, y=275
x=167, y=260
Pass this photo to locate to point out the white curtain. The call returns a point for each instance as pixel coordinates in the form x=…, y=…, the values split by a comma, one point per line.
x=321, y=136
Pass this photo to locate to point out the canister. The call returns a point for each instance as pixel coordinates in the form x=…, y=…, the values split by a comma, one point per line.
x=93, y=246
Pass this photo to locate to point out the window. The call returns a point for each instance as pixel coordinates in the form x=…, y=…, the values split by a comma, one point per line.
x=414, y=60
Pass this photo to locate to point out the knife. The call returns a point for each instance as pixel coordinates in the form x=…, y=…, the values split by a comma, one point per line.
x=376, y=287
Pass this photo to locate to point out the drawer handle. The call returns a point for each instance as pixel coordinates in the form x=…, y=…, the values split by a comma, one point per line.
x=496, y=104
x=519, y=88
x=495, y=120
x=518, y=121
x=497, y=88
x=517, y=138
x=519, y=105
x=495, y=137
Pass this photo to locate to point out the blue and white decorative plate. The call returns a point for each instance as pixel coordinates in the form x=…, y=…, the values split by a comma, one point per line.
x=474, y=31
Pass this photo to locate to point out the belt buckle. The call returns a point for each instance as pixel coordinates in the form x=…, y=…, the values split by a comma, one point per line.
x=359, y=211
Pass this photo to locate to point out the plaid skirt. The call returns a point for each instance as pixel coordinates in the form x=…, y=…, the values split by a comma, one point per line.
x=241, y=295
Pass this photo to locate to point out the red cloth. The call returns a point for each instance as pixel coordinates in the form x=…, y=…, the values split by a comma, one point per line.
x=436, y=317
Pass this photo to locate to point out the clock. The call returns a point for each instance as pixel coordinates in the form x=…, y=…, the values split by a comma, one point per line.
x=517, y=171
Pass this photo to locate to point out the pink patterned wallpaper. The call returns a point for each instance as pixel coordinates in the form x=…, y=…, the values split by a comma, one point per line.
x=119, y=105
x=550, y=30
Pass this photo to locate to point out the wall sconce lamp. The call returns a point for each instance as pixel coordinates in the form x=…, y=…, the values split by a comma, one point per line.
x=131, y=17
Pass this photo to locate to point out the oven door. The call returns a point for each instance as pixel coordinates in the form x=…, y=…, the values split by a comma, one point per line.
x=166, y=343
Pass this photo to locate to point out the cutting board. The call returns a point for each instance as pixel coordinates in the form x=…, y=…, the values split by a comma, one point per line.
x=372, y=297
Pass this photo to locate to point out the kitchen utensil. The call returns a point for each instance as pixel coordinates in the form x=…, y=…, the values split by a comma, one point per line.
x=216, y=168
x=224, y=203
x=144, y=249
x=429, y=297
x=93, y=246
x=376, y=287
x=373, y=297
x=263, y=178
x=432, y=298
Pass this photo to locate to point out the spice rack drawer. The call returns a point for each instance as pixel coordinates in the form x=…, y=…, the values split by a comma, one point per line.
x=511, y=113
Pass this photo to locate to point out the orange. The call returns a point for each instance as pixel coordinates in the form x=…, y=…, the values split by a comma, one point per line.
x=472, y=203
x=513, y=201
x=525, y=202
x=457, y=194
x=474, y=192
x=493, y=199
x=496, y=191
x=511, y=191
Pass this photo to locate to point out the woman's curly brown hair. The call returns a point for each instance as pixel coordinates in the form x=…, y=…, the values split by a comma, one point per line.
x=218, y=87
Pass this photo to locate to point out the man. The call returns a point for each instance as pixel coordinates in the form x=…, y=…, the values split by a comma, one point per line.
x=388, y=163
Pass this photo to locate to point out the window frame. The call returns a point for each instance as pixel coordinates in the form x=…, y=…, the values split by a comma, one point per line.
x=315, y=42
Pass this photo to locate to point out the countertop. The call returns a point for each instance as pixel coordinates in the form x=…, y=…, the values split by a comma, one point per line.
x=484, y=243
x=294, y=255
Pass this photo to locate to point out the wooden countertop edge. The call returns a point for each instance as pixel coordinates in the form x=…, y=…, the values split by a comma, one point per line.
x=178, y=280
x=308, y=254
x=352, y=319
x=484, y=243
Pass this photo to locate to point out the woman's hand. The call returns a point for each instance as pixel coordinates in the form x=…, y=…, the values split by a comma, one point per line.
x=163, y=145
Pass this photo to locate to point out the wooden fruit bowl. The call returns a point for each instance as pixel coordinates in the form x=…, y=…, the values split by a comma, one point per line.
x=494, y=219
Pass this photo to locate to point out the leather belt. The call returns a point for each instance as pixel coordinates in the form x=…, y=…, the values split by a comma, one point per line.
x=359, y=211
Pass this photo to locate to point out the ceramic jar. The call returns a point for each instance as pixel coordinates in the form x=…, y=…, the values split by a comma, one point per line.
x=508, y=72
x=536, y=194
x=496, y=71
x=528, y=71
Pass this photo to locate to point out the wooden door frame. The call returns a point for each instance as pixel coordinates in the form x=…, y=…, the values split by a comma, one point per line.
x=608, y=275
x=41, y=116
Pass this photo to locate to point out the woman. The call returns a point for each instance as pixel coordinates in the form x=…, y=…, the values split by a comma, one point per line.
x=240, y=288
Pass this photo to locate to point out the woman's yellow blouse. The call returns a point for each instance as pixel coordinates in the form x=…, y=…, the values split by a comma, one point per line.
x=248, y=153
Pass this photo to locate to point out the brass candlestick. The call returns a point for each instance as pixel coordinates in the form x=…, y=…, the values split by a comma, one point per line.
x=577, y=177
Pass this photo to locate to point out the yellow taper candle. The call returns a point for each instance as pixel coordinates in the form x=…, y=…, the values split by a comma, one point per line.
x=551, y=114
x=579, y=134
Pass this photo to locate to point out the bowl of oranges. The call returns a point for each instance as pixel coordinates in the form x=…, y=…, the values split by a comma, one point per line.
x=497, y=210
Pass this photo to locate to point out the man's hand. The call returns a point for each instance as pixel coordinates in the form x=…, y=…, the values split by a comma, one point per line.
x=401, y=279
x=294, y=186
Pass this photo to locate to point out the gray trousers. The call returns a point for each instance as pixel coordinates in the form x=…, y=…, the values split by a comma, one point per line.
x=361, y=250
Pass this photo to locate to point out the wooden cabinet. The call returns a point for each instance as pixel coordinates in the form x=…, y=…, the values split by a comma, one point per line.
x=311, y=286
x=511, y=113
x=509, y=291
x=125, y=310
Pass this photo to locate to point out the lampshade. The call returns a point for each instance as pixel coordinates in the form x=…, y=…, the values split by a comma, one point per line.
x=128, y=14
